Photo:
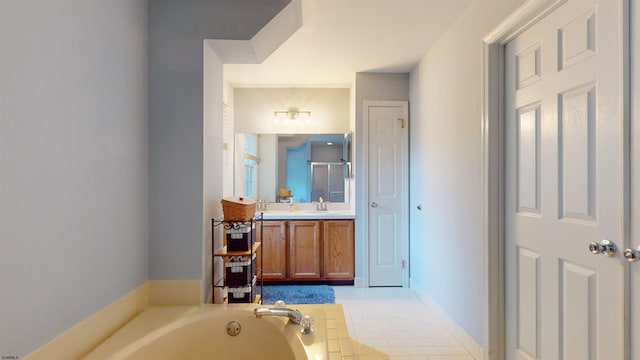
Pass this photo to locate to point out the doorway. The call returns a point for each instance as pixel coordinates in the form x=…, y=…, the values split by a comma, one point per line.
x=386, y=168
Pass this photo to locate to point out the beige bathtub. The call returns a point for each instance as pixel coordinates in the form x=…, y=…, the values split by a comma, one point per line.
x=179, y=332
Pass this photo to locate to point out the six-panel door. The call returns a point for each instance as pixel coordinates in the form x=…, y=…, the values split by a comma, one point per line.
x=565, y=185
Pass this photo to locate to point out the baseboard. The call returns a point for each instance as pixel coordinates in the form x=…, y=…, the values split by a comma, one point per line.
x=463, y=338
x=210, y=296
x=358, y=282
x=89, y=333
x=175, y=292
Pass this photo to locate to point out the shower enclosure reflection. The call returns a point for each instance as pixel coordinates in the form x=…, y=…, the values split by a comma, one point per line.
x=293, y=167
x=327, y=181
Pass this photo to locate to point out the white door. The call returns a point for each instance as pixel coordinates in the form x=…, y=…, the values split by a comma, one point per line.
x=387, y=167
x=565, y=185
x=635, y=174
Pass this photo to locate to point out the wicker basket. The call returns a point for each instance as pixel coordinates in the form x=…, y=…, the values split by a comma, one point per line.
x=238, y=209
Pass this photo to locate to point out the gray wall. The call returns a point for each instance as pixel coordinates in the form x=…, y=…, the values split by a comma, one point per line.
x=446, y=167
x=370, y=86
x=102, y=188
x=175, y=143
x=73, y=163
x=182, y=202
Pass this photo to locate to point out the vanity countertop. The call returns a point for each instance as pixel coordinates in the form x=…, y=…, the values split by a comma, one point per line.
x=308, y=214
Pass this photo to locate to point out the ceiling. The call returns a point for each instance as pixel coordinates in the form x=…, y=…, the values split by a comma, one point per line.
x=341, y=37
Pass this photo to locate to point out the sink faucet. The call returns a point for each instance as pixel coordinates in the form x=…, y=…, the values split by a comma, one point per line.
x=261, y=205
x=321, y=205
x=279, y=309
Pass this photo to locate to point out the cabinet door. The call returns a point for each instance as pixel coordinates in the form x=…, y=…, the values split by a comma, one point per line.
x=273, y=255
x=338, y=249
x=304, y=249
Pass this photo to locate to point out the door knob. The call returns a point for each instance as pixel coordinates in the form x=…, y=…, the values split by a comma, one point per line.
x=374, y=204
x=604, y=247
x=632, y=255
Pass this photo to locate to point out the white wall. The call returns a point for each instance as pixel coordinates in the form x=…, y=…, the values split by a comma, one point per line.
x=213, y=155
x=446, y=248
x=238, y=177
x=329, y=108
x=268, y=167
x=228, y=140
x=73, y=163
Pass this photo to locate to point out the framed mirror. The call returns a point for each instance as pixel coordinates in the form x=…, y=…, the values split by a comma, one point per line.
x=293, y=167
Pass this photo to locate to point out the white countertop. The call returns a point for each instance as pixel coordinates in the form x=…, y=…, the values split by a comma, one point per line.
x=307, y=214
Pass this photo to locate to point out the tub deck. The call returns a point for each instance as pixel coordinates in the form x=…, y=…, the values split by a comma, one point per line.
x=331, y=340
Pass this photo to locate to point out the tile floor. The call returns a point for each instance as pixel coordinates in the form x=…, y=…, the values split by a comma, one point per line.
x=397, y=322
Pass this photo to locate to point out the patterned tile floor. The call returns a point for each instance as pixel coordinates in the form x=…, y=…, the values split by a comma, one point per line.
x=397, y=322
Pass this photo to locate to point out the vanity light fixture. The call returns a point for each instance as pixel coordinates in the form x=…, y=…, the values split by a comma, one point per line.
x=291, y=114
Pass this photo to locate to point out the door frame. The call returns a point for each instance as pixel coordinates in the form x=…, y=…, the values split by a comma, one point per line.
x=365, y=194
x=492, y=179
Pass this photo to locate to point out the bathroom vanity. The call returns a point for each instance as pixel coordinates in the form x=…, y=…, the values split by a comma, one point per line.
x=300, y=248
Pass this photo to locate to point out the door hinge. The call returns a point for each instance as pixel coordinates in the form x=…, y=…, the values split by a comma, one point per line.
x=401, y=122
x=403, y=264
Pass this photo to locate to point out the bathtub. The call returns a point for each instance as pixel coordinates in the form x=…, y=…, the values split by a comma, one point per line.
x=201, y=333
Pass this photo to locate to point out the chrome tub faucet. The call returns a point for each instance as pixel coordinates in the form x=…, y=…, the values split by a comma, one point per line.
x=279, y=309
x=295, y=316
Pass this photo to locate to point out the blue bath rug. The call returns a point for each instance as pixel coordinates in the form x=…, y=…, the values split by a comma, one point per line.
x=298, y=294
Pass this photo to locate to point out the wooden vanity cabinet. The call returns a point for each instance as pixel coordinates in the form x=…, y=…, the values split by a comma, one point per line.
x=307, y=250
x=304, y=250
x=274, y=250
x=338, y=249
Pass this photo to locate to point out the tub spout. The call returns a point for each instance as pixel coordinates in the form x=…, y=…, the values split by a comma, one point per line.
x=295, y=316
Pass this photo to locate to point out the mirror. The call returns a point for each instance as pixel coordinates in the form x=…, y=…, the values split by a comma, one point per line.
x=293, y=167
